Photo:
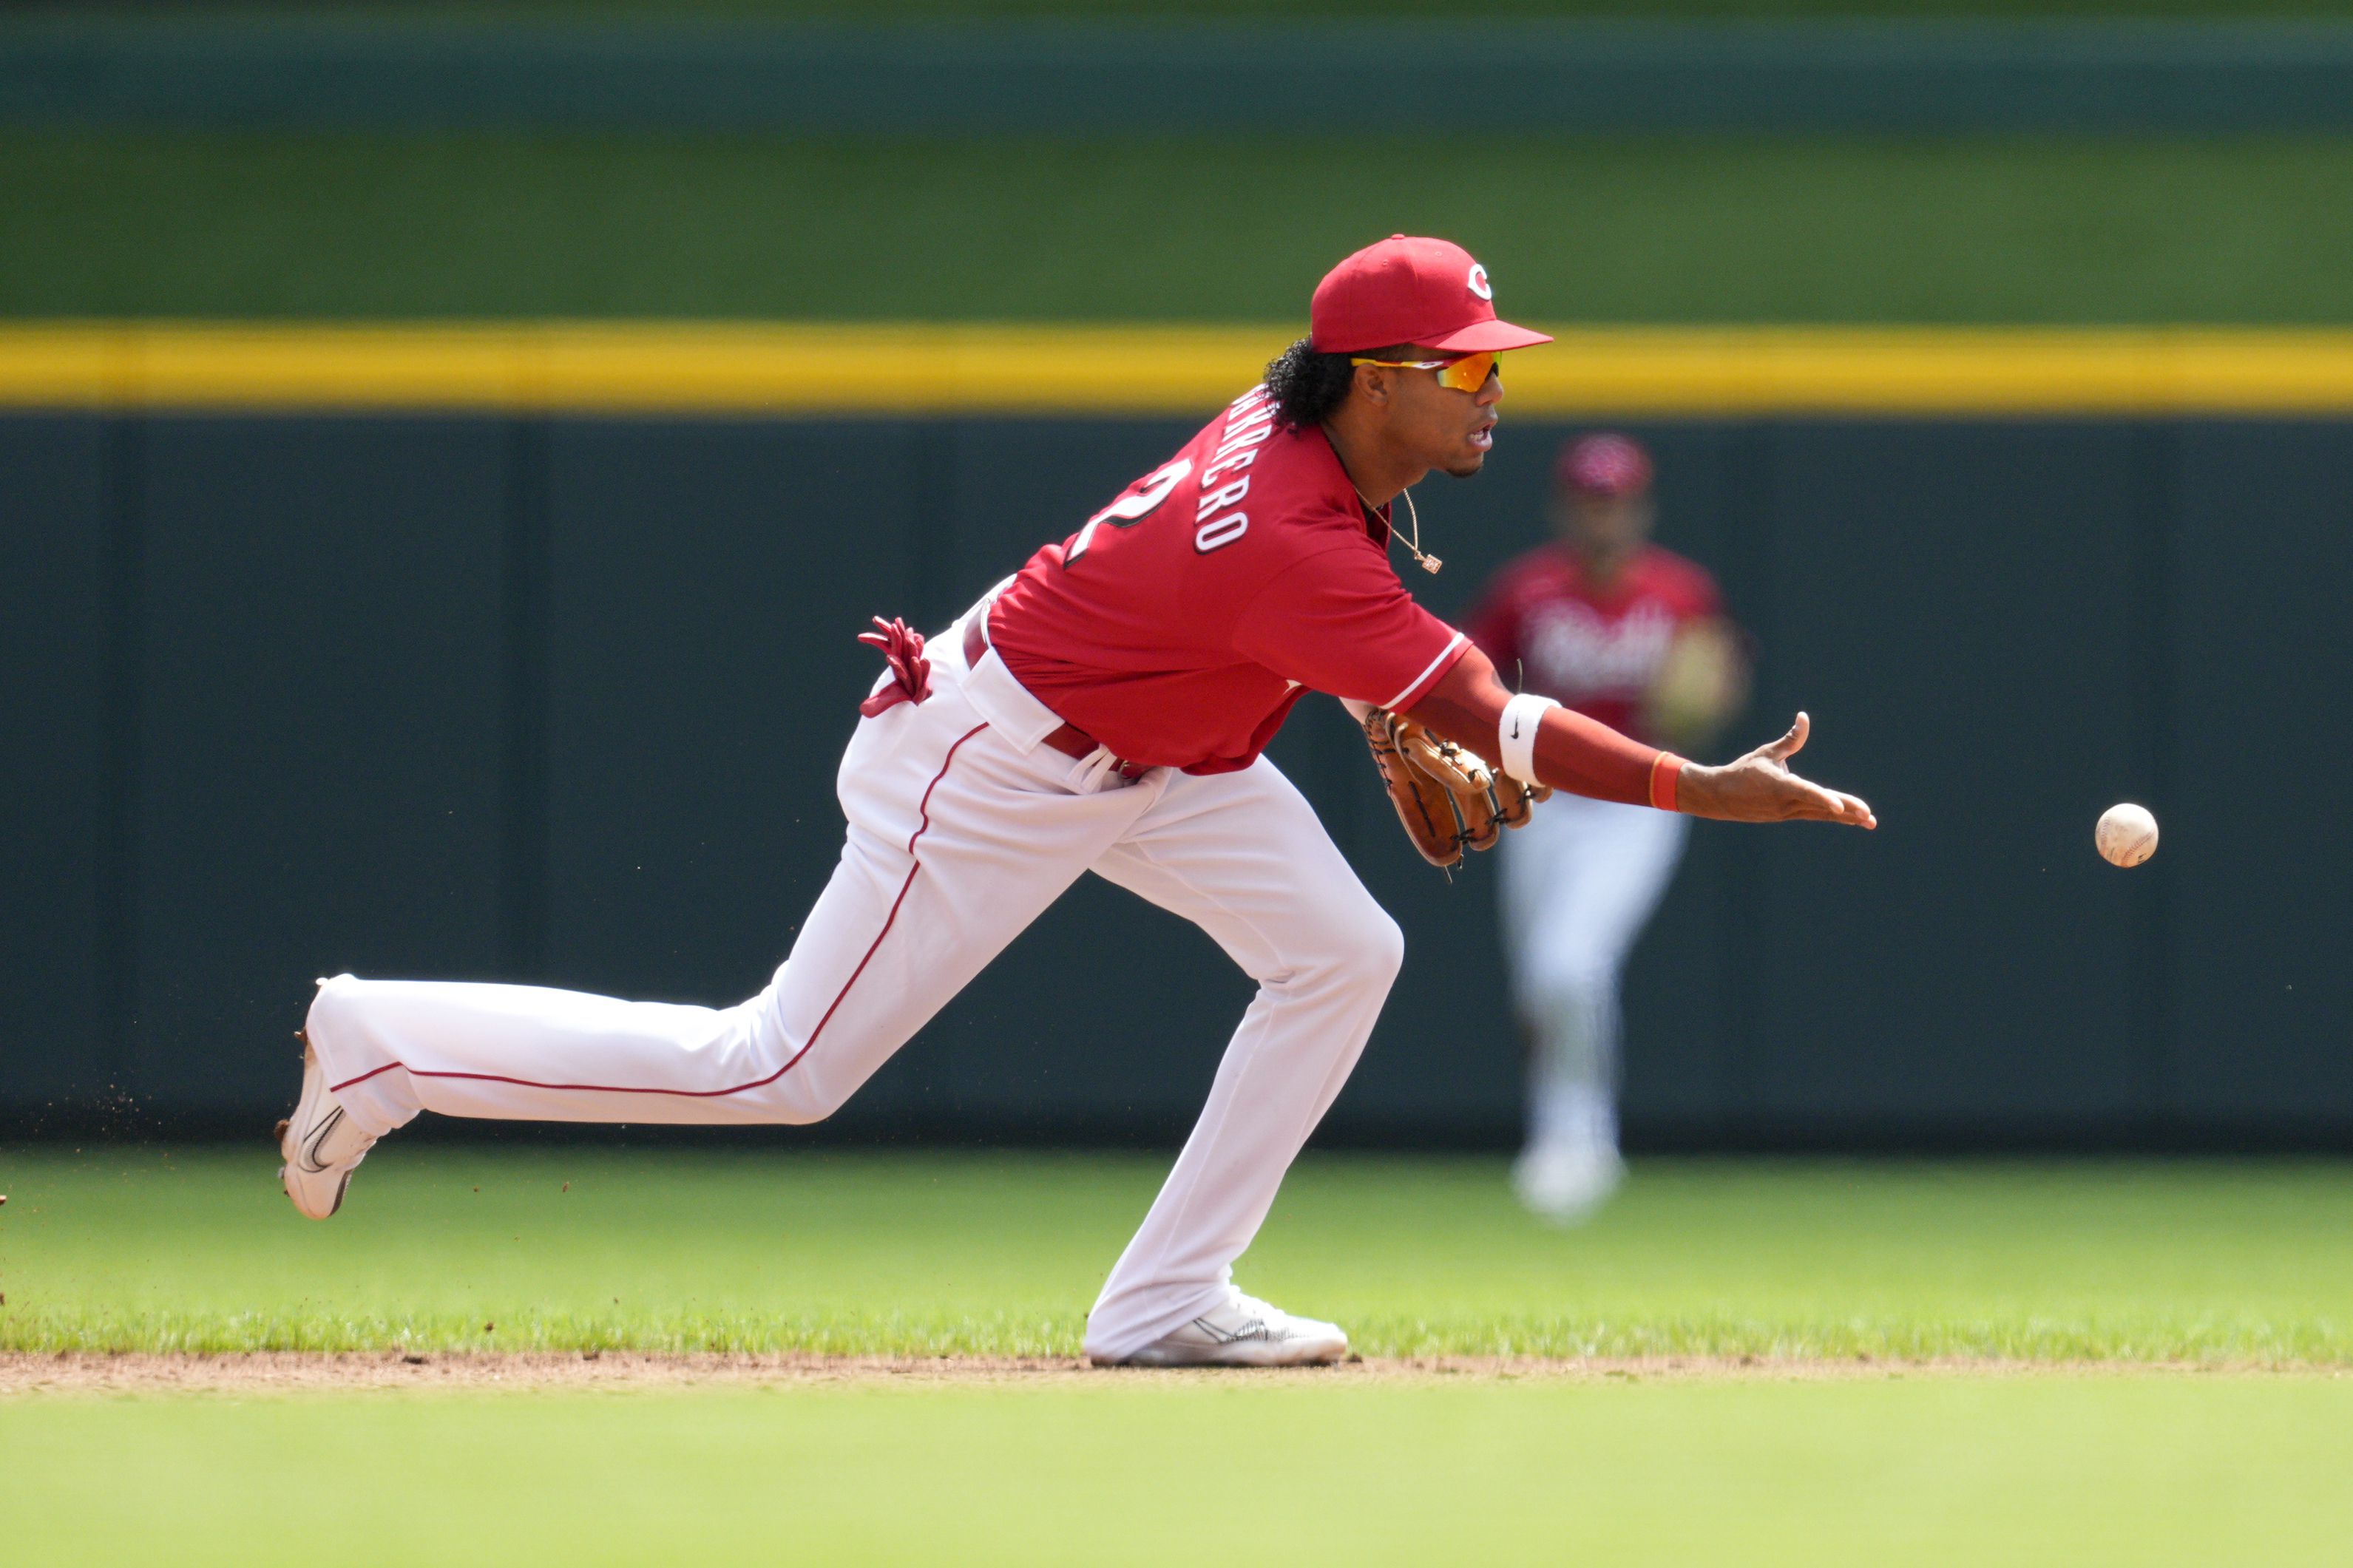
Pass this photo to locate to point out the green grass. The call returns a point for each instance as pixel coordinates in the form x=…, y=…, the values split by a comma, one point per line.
x=1639, y=230
x=482, y=1248
x=2060, y=1471
x=474, y=1248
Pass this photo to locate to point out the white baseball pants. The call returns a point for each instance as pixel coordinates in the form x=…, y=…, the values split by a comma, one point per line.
x=1578, y=883
x=961, y=830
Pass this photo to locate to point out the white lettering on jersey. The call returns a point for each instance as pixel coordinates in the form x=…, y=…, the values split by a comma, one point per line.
x=1223, y=531
x=1242, y=459
x=1221, y=497
x=1138, y=503
x=1576, y=655
x=1255, y=436
x=1258, y=416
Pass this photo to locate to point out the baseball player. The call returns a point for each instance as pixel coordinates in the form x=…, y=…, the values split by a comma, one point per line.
x=1104, y=709
x=1620, y=630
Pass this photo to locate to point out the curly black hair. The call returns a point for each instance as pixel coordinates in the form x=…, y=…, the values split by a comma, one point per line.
x=1308, y=388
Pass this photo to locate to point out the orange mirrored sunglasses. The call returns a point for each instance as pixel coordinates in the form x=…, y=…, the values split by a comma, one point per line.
x=1468, y=374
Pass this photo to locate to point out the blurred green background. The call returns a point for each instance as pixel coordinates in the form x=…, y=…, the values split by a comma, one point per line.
x=1660, y=229
x=122, y=208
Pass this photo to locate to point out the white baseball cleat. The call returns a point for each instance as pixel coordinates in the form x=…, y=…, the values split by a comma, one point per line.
x=319, y=1143
x=1245, y=1331
x=1565, y=1183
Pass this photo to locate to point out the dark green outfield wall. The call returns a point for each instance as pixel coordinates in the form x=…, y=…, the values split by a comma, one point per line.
x=920, y=12
x=1468, y=75
x=564, y=700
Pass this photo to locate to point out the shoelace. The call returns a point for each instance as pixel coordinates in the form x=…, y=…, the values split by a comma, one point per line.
x=1251, y=1306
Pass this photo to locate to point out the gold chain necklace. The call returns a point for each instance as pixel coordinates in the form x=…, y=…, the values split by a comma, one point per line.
x=1429, y=563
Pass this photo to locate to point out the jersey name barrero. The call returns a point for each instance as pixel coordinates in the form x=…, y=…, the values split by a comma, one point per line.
x=1218, y=519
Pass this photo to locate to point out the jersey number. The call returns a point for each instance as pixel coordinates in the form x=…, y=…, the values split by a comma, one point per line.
x=1131, y=509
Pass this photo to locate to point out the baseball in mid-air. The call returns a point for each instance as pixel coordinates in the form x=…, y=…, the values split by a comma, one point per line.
x=2126, y=835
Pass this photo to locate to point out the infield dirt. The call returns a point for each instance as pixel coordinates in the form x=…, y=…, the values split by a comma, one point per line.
x=293, y=1371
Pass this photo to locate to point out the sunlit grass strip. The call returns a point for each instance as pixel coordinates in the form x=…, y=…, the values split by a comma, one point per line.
x=818, y=370
x=2155, y=1338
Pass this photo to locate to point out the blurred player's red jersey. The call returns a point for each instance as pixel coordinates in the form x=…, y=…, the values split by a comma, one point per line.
x=1178, y=627
x=1547, y=627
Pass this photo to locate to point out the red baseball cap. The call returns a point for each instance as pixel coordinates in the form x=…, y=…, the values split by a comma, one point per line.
x=1410, y=290
x=1604, y=465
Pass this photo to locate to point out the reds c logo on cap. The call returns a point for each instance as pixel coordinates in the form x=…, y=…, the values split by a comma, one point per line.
x=1410, y=289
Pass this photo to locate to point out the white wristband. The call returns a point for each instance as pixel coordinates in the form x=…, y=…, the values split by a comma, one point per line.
x=1515, y=736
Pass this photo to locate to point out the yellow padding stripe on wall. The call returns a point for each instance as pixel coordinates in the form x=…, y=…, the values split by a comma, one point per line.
x=807, y=369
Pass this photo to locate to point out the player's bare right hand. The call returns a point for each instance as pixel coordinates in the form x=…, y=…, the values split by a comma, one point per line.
x=1759, y=787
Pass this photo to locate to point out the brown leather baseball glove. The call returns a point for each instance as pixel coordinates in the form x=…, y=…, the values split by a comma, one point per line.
x=1448, y=798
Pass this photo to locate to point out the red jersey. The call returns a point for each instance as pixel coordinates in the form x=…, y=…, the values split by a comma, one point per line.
x=1544, y=623
x=1178, y=627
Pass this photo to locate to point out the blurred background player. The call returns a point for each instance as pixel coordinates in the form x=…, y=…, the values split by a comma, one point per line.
x=1612, y=625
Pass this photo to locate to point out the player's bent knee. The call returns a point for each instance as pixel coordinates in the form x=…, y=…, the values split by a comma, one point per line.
x=1388, y=950
x=1366, y=944
x=801, y=1104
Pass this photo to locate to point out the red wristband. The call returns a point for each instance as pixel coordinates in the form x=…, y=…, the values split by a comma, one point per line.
x=1666, y=774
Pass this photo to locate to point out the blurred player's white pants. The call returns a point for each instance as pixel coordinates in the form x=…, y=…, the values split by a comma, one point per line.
x=958, y=838
x=1578, y=883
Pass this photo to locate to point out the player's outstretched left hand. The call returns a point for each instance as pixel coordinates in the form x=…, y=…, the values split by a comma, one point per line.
x=1759, y=787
